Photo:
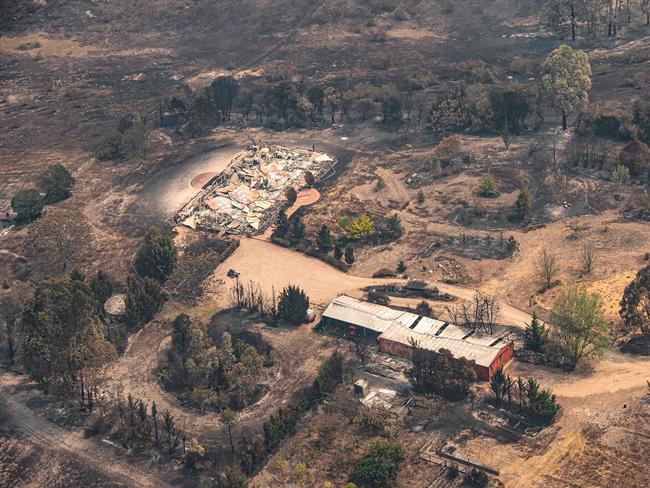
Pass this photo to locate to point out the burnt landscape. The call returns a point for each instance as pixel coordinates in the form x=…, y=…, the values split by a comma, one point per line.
x=329, y=244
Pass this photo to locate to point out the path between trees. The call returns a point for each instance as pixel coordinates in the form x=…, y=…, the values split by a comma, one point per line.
x=49, y=436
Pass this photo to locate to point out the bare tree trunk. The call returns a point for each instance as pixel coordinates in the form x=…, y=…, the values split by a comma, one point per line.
x=573, y=22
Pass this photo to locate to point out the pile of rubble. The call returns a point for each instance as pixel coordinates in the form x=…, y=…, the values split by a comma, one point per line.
x=246, y=197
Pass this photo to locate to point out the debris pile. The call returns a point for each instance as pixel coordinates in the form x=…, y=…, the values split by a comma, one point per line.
x=246, y=197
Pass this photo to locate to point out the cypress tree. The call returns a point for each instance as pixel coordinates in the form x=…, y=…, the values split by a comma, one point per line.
x=535, y=335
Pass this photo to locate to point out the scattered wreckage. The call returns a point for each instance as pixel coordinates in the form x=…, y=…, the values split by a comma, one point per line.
x=246, y=197
x=412, y=288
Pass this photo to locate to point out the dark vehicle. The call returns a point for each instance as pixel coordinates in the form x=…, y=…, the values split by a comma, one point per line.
x=232, y=273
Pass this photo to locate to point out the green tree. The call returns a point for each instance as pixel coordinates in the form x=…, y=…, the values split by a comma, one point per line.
x=566, y=81
x=293, y=304
x=62, y=346
x=28, y=205
x=382, y=463
x=524, y=203
x=488, y=186
x=157, y=256
x=102, y=288
x=542, y=403
x=349, y=255
x=338, y=253
x=440, y=372
x=56, y=183
x=309, y=178
x=316, y=97
x=291, y=195
x=330, y=373
x=10, y=310
x=143, y=300
x=498, y=384
x=420, y=197
x=298, y=230
x=58, y=241
x=282, y=225
x=324, y=239
x=362, y=227
x=535, y=335
x=223, y=93
x=579, y=327
x=401, y=267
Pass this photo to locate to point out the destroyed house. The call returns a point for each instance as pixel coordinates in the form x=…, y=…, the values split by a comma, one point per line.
x=395, y=330
x=246, y=197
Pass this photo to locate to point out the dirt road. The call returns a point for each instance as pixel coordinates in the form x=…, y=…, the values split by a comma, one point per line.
x=48, y=435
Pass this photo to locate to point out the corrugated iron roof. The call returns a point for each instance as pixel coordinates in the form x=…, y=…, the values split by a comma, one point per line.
x=395, y=325
x=368, y=315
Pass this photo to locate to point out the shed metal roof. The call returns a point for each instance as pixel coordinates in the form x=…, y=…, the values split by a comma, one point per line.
x=367, y=315
x=395, y=325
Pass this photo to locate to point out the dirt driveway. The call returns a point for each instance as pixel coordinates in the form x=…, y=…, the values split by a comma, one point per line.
x=274, y=266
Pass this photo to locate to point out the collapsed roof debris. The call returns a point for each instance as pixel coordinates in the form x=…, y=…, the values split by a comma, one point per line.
x=246, y=197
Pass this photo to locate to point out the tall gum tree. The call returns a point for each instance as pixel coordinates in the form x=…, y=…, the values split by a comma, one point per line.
x=566, y=81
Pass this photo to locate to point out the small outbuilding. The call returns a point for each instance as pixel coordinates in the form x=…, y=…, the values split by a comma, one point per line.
x=395, y=331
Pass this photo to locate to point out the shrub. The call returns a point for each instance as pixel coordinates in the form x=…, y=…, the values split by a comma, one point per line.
x=424, y=309
x=381, y=184
x=299, y=473
x=382, y=463
x=111, y=148
x=621, y=175
x=604, y=120
x=524, y=203
x=390, y=228
x=635, y=156
x=362, y=227
x=194, y=453
x=379, y=298
x=488, y=187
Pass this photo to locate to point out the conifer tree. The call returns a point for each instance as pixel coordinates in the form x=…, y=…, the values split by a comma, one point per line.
x=535, y=335
x=324, y=239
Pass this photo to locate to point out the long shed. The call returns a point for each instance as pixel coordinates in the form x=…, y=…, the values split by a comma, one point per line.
x=396, y=329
